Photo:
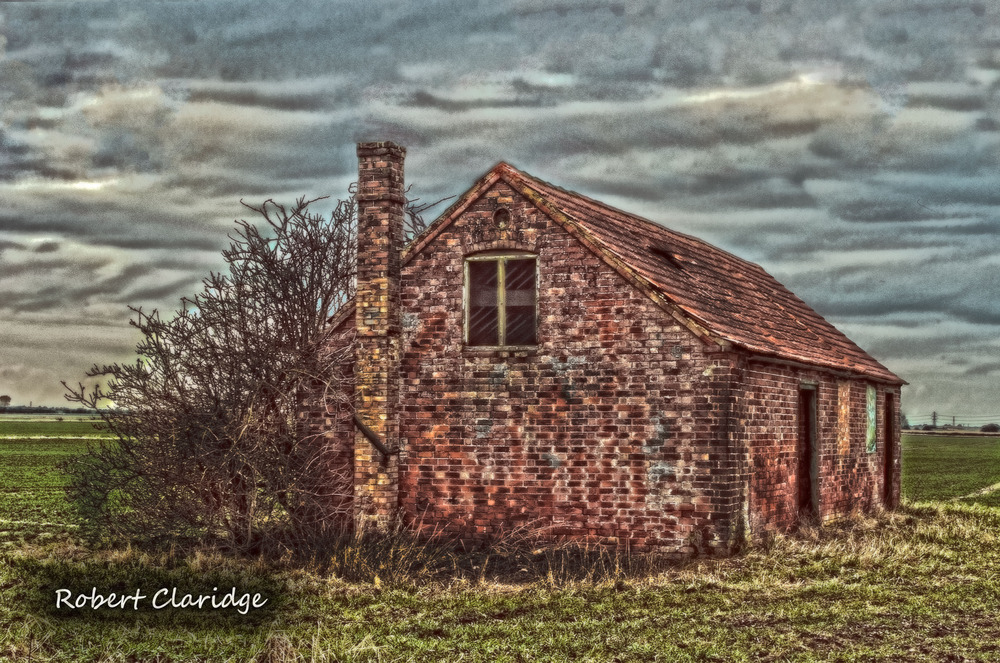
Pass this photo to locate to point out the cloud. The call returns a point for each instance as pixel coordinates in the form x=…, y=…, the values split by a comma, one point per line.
x=849, y=147
x=984, y=369
x=27, y=375
x=47, y=247
x=6, y=244
x=422, y=99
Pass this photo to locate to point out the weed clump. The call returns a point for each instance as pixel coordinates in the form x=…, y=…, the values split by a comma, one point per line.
x=398, y=557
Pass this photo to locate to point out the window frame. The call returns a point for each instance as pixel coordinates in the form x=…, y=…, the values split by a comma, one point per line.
x=500, y=257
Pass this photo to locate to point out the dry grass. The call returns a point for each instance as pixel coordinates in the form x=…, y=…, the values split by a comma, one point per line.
x=919, y=584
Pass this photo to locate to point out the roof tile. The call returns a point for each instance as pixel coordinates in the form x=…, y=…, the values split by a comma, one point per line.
x=734, y=299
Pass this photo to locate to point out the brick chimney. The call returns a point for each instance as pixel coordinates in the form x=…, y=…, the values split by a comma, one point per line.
x=381, y=203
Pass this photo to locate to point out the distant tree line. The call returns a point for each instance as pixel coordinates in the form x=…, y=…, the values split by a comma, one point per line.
x=41, y=409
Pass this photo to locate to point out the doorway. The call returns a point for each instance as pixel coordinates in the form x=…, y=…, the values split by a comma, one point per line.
x=807, y=469
x=889, y=475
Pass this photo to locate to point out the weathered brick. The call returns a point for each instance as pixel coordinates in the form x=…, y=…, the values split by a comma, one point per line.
x=622, y=424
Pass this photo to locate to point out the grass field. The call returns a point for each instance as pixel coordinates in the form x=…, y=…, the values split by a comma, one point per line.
x=951, y=468
x=919, y=584
x=33, y=507
x=47, y=426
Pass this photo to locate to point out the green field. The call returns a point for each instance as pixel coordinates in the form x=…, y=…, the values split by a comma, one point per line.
x=918, y=584
x=48, y=426
x=950, y=468
x=33, y=506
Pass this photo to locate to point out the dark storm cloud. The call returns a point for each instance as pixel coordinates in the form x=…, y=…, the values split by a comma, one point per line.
x=36, y=267
x=423, y=99
x=276, y=147
x=961, y=103
x=944, y=191
x=564, y=9
x=213, y=242
x=988, y=227
x=951, y=305
x=17, y=159
x=247, y=97
x=984, y=369
x=113, y=284
x=228, y=186
x=75, y=291
x=126, y=152
x=39, y=303
x=91, y=285
x=5, y=244
x=755, y=189
x=896, y=208
x=18, y=223
x=88, y=224
x=172, y=291
x=926, y=345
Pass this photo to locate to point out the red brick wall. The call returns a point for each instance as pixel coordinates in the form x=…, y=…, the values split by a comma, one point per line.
x=614, y=428
x=849, y=477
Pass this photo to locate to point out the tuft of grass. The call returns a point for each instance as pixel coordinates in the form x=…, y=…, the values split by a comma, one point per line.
x=399, y=559
x=393, y=558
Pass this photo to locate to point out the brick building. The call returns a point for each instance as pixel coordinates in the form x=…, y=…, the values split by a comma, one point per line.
x=537, y=359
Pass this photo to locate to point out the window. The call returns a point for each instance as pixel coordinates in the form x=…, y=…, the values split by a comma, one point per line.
x=500, y=300
x=871, y=397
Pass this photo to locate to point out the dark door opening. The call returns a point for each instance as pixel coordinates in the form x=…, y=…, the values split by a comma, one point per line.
x=889, y=476
x=808, y=462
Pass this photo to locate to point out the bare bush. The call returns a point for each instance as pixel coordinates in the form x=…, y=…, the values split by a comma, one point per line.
x=209, y=435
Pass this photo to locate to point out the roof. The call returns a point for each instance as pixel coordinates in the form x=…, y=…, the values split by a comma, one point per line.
x=720, y=297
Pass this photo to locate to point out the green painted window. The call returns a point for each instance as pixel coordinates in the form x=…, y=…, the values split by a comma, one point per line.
x=870, y=435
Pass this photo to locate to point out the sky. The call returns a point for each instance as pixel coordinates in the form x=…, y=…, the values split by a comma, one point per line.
x=851, y=148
